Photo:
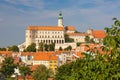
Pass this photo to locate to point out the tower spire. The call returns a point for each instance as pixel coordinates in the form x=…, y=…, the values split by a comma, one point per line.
x=60, y=19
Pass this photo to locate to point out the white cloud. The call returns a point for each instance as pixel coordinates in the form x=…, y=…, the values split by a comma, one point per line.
x=15, y=18
x=29, y=3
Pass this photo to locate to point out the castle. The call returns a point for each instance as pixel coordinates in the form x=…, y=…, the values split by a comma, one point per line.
x=55, y=34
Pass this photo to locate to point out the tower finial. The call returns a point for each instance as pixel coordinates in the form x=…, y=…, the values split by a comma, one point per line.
x=60, y=19
x=60, y=14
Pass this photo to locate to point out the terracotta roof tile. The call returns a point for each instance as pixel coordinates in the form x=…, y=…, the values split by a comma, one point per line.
x=6, y=53
x=79, y=54
x=45, y=56
x=53, y=57
x=55, y=28
x=99, y=33
x=27, y=53
x=71, y=28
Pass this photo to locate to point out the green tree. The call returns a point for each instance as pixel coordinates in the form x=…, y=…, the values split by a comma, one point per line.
x=8, y=67
x=52, y=46
x=90, y=69
x=112, y=41
x=60, y=49
x=46, y=47
x=78, y=43
x=67, y=39
x=87, y=39
x=102, y=67
x=41, y=73
x=24, y=70
x=68, y=48
x=31, y=48
x=13, y=48
x=2, y=49
x=41, y=45
x=64, y=72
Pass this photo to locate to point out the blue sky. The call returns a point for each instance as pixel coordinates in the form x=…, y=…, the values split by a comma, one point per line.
x=16, y=15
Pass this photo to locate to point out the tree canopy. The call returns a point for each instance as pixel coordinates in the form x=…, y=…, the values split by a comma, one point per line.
x=41, y=73
x=31, y=48
x=2, y=49
x=99, y=67
x=8, y=66
x=68, y=48
x=67, y=39
x=46, y=47
x=13, y=48
x=24, y=70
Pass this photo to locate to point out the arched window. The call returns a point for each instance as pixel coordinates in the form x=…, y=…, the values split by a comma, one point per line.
x=49, y=41
x=55, y=36
x=62, y=41
x=54, y=41
x=59, y=41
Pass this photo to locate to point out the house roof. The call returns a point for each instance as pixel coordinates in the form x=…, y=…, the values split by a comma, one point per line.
x=45, y=56
x=99, y=33
x=6, y=53
x=53, y=57
x=53, y=28
x=79, y=54
x=71, y=28
x=27, y=53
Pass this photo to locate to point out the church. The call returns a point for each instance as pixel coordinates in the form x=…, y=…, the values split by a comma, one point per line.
x=55, y=34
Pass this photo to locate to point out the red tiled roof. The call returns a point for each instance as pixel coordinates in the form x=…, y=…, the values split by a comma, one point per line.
x=71, y=28
x=53, y=57
x=6, y=53
x=79, y=54
x=55, y=28
x=99, y=33
x=45, y=56
x=27, y=53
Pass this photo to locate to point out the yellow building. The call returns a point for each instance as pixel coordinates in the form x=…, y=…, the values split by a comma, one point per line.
x=53, y=63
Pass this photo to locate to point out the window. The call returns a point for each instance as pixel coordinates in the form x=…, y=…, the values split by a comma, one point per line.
x=29, y=57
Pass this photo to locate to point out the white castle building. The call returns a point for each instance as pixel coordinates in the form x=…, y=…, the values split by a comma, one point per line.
x=55, y=34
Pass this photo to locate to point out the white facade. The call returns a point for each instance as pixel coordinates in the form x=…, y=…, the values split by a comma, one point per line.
x=44, y=36
x=43, y=62
x=65, y=45
x=78, y=38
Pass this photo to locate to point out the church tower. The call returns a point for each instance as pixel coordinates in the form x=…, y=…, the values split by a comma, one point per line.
x=60, y=20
